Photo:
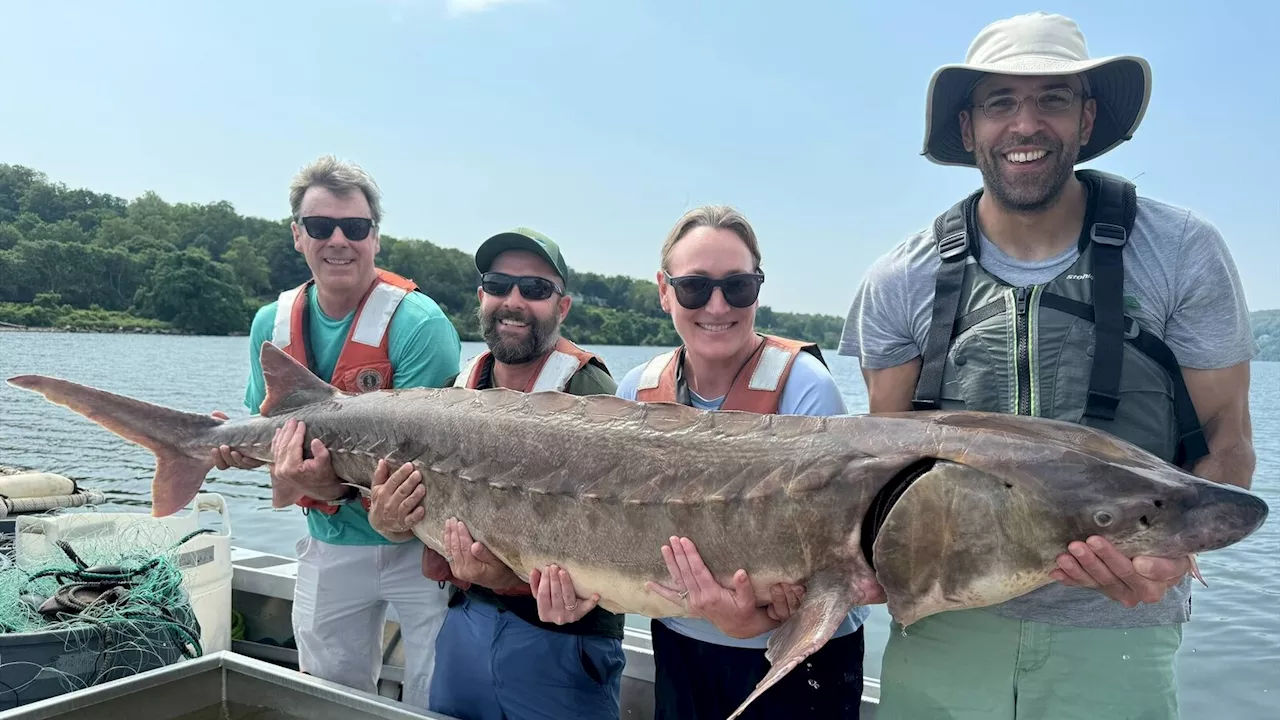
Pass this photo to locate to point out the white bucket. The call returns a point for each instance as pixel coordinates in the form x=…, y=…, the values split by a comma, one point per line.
x=205, y=559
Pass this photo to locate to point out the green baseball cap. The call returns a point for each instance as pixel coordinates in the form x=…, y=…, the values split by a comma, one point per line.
x=521, y=239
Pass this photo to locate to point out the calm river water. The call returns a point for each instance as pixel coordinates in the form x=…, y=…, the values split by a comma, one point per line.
x=1229, y=665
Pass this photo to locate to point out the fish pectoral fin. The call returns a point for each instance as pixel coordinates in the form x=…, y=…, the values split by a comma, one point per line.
x=827, y=599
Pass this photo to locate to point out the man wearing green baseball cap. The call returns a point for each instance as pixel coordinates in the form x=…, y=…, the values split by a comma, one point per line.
x=547, y=653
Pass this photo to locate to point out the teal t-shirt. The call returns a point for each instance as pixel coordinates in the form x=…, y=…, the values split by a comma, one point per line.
x=425, y=352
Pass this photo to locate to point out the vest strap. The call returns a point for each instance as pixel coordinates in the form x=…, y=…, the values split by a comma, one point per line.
x=774, y=362
x=990, y=310
x=280, y=335
x=375, y=316
x=651, y=376
x=1192, y=444
x=952, y=236
x=1114, y=208
x=464, y=378
x=556, y=372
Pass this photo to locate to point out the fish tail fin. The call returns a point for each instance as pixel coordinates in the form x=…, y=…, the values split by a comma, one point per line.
x=177, y=438
x=827, y=600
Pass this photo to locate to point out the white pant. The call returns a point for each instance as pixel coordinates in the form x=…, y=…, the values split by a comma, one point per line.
x=339, y=609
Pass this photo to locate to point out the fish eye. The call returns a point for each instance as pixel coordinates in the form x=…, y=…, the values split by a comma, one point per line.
x=1103, y=518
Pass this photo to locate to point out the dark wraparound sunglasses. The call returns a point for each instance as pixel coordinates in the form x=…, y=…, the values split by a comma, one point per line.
x=353, y=228
x=532, y=288
x=694, y=291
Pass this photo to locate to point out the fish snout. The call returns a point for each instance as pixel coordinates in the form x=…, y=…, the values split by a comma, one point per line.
x=1228, y=514
x=1211, y=516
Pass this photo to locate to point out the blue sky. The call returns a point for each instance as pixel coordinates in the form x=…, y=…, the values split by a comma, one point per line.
x=600, y=121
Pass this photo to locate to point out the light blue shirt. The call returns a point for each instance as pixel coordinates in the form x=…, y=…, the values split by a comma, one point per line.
x=810, y=390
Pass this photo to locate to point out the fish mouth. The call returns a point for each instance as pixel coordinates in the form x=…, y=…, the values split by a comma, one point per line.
x=884, y=501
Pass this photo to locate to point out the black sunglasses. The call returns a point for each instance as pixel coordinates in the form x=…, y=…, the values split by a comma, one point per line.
x=353, y=228
x=532, y=288
x=693, y=291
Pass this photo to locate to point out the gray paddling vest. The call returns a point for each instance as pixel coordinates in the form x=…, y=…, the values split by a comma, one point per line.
x=1065, y=350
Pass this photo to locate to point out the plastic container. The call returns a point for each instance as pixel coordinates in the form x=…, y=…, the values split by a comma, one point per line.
x=205, y=559
x=41, y=665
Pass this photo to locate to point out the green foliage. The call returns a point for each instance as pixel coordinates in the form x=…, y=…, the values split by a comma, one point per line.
x=75, y=258
x=1266, y=331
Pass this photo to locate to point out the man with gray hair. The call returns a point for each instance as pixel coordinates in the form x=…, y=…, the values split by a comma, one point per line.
x=1059, y=293
x=361, y=329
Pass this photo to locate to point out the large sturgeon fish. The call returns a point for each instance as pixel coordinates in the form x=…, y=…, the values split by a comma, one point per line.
x=947, y=510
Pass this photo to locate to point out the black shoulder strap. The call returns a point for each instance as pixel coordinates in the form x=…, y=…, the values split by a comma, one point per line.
x=951, y=234
x=1113, y=203
x=1192, y=444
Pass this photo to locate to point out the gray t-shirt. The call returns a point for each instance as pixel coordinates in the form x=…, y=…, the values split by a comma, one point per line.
x=1180, y=284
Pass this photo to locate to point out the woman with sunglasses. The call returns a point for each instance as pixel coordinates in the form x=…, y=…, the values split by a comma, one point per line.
x=706, y=666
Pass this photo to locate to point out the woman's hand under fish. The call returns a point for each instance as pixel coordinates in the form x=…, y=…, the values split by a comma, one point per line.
x=732, y=610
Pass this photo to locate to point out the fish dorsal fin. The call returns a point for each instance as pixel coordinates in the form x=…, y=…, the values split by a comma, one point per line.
x=290, y=385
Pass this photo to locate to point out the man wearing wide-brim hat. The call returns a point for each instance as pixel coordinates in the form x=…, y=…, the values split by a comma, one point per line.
x=1056, y=292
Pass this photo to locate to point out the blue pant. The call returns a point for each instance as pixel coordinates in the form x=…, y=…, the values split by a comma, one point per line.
x=491, y=665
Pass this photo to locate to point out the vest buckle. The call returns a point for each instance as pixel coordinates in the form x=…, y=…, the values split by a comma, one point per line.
x=1131, y=328
x=924, y=405
x=1108, y=234
x=1102, y=405
x=954, y=246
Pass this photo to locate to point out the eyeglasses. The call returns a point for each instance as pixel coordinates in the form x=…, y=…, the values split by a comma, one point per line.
x=694, y=291
x=1050, y=102
x=531, y=288
x=353, y=228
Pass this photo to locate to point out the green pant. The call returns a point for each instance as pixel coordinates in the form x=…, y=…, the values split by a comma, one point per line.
x=976, y=665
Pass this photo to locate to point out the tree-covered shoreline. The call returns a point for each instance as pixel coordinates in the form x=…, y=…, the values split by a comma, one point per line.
x=80, y=260
x=74, y=259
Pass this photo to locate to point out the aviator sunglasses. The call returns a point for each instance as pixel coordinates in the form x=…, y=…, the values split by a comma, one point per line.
x=532, y=288
x=694, y=291
x=353, y=228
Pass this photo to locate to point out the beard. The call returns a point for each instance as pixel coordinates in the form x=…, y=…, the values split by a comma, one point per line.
x=542, y=337
x=1029, y=193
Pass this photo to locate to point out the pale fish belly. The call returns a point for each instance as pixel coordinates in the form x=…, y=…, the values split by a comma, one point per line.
x=620, y=591
x=983, y=591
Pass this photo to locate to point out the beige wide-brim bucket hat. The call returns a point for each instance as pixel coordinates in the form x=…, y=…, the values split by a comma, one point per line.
x=1037, y=44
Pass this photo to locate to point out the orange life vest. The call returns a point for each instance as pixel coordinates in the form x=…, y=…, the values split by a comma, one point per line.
x=364, y=364
x=758, y=387
x=556, y=369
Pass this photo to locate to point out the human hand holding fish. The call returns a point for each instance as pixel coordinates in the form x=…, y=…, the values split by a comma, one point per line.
x=224, y=458
x=395, y=502
x=473, y=562
x=1098, y=564
x=558, y=601
x=314, y=473
x=732, y=610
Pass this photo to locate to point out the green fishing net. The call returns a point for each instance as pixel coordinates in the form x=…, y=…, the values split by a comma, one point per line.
x=93, y=606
